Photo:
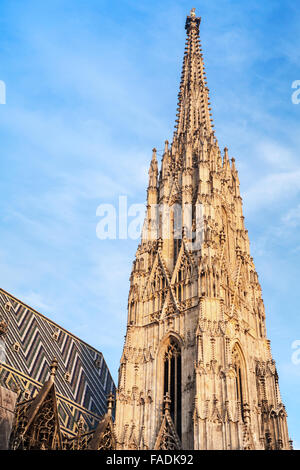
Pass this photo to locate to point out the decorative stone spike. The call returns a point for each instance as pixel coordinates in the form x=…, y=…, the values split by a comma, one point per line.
x=110, y=403
x=53, y=367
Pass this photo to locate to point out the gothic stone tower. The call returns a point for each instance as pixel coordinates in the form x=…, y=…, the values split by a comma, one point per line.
x=196, y=370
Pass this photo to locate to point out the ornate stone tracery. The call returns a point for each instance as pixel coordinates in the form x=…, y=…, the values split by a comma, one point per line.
x=36, y=425
x=167, y=438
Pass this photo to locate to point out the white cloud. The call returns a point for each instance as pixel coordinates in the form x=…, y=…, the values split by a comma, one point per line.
x=35, y=300
x=277, y=155
x=272, y=189
x=292, y=218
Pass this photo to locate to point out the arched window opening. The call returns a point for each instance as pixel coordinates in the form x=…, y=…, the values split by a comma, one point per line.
x=180, y=285
x=163, y=297
x=179, y=292
x=172, y=381
x=153, y=303
x=132, y=311
x=226, y=231
x=177, y=246
x=238, y=367
x=260, y=329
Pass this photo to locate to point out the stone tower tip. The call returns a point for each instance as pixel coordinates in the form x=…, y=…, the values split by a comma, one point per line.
x=53, y=367
x=110, y=403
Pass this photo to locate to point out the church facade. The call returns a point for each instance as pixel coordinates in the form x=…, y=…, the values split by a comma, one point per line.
x=197, y=370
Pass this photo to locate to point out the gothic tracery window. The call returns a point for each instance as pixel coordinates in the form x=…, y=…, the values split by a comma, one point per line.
x=226, y=230
x=180, y=279
x=177, y=246
x=239, y=371
x=172, y=381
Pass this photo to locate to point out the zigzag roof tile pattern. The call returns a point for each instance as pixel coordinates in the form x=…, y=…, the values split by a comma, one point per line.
x=28, y=347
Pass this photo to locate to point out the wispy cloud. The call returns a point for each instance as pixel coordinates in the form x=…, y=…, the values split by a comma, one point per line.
x=34, y=299
x=272, y=189
x=292, y=218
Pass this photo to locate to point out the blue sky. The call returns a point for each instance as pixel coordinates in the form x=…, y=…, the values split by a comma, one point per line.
x=91, y=88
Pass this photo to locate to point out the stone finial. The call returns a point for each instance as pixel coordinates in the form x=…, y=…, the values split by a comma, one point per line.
x=222, y=236
x=193, y=12
x=53, y=367
x=110, y=403
x=238, y=252
x=246, y=410
x=154, y=153
x=3, y=327
x=166, y=146
x=80, y=430
x=233, y=164
x=167, y=403
x=80, y=425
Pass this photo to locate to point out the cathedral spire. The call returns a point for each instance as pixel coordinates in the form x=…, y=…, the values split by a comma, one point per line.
x=195, y=305
x=193, y=114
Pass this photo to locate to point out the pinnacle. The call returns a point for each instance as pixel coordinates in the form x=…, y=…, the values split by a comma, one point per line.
x=53, y=368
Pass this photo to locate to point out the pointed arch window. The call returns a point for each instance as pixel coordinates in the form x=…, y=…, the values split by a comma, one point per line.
x=172, y=381
x=180, y=284
x=226, y=232
x=177, y=246
x=163, y=295
x=161, y=286
x=239, y=378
